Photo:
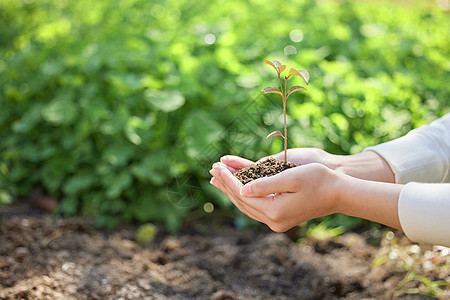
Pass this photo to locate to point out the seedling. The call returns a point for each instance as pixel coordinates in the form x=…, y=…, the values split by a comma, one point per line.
x=284, y=92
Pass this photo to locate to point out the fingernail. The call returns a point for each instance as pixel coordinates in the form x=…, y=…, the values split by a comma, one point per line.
x=224, y=158
x=246, y=190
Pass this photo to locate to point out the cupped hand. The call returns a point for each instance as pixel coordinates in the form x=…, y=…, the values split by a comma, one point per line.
x=283, y=200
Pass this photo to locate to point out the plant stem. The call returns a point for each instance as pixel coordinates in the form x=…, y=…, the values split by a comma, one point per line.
x=284, y=112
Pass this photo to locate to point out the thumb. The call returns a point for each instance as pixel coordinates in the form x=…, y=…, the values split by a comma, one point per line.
x=283, y=182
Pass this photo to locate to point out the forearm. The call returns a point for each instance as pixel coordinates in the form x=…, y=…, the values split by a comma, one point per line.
x=371, y=200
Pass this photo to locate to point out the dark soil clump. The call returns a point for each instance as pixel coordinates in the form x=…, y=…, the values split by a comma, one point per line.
x=264, y=168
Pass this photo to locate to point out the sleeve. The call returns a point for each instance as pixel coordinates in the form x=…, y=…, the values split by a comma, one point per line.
x=423, y=155
x=421, y=159
x=424, y=212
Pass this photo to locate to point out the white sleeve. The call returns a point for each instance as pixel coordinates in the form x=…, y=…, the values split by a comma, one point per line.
x=423, y=155
x=424, y=212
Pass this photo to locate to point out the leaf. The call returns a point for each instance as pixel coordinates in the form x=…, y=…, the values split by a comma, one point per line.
x=274, y=134
x=276, y=65
x=165, y=100
x=294, y=89
x=62, y=110
x=300, y=72
x=281, y=68
x=271, y=89
x=273, y=63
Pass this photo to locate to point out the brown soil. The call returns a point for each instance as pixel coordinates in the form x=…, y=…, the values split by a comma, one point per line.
x=263, y=168
x=45, y=257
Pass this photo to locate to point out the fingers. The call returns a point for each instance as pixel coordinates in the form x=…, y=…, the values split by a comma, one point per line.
x=283, y=182
x=235, y=162
x=230, y=186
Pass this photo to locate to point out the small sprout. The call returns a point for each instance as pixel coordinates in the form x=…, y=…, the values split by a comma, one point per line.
x=284, y=93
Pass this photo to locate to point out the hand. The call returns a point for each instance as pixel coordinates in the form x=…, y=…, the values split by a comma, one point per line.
x=366, y=165
x=299, y=156
x=305, y=192
x=283, y=200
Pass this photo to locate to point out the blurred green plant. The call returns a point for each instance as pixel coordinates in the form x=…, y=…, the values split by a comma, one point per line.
x=103, y=104
x=322, y=232
x=426, y=287
x=146, y=234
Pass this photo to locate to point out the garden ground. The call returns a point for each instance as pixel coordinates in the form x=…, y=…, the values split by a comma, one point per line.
x=48, y=257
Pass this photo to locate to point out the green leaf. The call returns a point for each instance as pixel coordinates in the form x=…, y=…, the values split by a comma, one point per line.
x=60, y=111
x=116, y=121
x=202, y=131
x=117, y=183
x=151, y=169
x=165, y=100
x=119, y=153
x=271, y=89
x=79, y=182
x=5, y=197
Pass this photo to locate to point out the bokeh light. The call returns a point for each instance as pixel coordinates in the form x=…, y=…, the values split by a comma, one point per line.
x=296, y=35
x=210, y=39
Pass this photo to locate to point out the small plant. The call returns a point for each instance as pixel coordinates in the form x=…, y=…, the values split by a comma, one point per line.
x=284, y=92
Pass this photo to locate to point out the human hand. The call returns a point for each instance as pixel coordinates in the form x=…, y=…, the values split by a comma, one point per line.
x=366, y=165
x=299, y=156
x=283, y=200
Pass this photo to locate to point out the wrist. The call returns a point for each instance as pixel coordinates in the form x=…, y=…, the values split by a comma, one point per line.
x=370, y=200
x=337, y=190
x=366, y=165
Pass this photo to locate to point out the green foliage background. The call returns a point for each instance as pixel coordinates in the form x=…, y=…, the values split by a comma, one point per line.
x=118, y=108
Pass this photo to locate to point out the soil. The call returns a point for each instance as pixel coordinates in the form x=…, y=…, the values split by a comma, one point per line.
x=263, y=168
x=49, y=257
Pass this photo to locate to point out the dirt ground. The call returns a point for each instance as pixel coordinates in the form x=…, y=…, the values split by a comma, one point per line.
x=47, y=257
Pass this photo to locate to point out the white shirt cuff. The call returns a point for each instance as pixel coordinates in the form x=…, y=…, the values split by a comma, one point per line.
x=424, y=212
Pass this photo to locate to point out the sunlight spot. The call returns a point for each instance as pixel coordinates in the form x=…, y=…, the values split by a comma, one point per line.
x=296, y=35
x=414, y=249
x=210, y=38
x=443, y=4
x=390, y=235
x=208, y=207
x=290, y=50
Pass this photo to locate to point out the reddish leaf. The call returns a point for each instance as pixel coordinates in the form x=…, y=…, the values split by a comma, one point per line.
x=274, y=134
x=294, y=89
x=271, y=89
x=276, y=65
x=273, y=63
x=281, y=68
x=302, y=73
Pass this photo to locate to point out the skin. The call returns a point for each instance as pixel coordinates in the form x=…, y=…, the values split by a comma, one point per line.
x=360, y=185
